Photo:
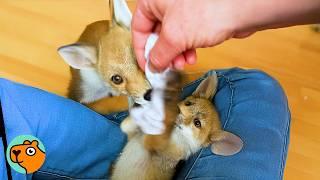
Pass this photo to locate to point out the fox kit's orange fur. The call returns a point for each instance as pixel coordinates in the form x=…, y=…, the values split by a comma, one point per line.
x=102, y=61
x=171, y=98
x=197, y=126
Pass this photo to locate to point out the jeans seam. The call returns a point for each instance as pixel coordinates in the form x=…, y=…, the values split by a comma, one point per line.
x=285, y=147
x=64, y=176
x=55, y=174
x=121, y=116
x=116, y=117
x=113, y=121
x=230, y=100
x=188, y=173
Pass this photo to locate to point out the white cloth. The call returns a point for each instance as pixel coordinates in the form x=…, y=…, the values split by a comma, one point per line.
x=157, y=80
x=150, y=116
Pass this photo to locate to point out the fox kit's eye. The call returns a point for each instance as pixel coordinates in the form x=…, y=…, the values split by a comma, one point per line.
x=188, y=103
x=30, y=151
x=116, y=79
x=197, y=123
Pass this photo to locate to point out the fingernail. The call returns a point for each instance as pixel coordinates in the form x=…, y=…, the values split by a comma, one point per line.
x=154, y=64
x=180, y=68
x=153, y=68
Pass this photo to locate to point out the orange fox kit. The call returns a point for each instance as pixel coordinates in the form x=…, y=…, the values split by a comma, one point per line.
x=103, y=62
x=197, y=125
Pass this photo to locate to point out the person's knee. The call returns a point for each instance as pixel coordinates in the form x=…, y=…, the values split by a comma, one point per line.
x=263, y=79
x=264, y=85
x=263, y=89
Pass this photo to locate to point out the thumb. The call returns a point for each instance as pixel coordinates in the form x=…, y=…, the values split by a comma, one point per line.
x=162, y=54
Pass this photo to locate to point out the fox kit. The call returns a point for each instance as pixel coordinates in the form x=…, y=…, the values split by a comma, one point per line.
x=197, y=125
x=102, y=61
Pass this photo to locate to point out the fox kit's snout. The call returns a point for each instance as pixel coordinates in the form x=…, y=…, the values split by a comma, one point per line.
x=103, y=62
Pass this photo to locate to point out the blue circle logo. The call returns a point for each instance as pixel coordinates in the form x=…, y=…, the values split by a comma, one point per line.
x=26, y=154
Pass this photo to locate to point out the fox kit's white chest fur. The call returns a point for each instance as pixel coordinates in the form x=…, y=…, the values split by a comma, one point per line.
x=184, y=138
x=136, y=163
x=93, y=87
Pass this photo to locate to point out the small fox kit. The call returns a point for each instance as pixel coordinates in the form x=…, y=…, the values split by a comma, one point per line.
x=197, y=125
x=102, y=61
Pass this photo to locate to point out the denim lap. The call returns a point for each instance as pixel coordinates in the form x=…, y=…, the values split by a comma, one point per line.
x=81, y=144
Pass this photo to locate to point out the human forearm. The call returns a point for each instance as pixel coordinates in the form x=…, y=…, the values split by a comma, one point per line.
x=258, y=15
x=184, y=25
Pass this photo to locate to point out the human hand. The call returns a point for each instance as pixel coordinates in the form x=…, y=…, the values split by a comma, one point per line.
x=183, y=26
x=150, y=116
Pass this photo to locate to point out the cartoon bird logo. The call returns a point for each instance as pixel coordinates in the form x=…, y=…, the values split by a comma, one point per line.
x=28, y=155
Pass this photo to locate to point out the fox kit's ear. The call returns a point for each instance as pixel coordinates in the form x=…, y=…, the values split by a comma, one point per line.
x=207, y=88
x=225, y=143
x=120, y=13
x=79, y=56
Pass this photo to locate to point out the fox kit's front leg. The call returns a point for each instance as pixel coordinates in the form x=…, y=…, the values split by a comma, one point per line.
x=129, y=127
x=171, y=99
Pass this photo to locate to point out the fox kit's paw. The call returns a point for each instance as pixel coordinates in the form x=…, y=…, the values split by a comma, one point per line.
x=155, y=143
x=150, y=117
x=129, y=127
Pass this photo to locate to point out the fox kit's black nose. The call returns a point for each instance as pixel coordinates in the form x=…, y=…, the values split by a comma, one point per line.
x=16, y=152
x=135, y=105
x=147, y=95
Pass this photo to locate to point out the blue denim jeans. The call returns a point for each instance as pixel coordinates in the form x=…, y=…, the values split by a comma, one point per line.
x=81, y=144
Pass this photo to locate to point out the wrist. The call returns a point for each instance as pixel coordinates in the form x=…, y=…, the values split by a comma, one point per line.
x=253, y=15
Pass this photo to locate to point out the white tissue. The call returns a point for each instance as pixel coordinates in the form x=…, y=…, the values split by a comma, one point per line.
x=150, y=116
x=157, y=80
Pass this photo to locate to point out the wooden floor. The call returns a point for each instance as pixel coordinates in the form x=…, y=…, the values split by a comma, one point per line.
x=32, y=30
